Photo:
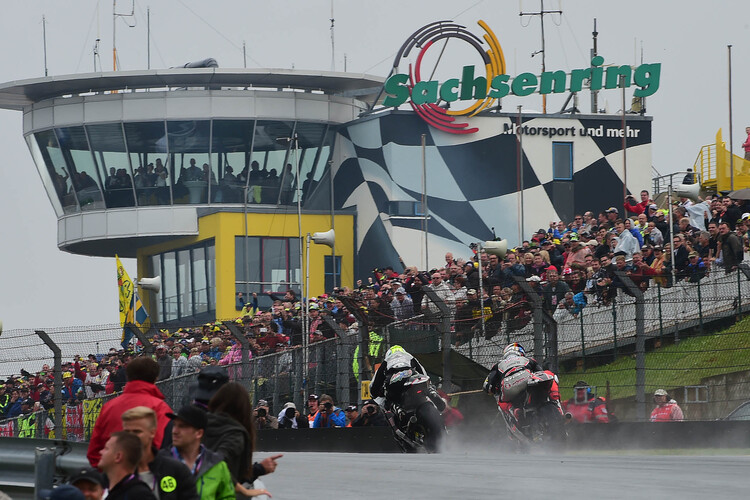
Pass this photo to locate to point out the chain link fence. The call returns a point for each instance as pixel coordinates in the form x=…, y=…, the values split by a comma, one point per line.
x=695, y=349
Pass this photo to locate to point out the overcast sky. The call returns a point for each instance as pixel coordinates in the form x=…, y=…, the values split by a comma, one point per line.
x=40, y=286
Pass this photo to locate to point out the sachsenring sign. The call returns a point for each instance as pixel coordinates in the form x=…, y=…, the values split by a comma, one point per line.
x=482, y=91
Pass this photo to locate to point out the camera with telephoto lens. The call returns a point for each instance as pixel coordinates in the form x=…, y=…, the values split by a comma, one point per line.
x=261, y=412
x=327, y=406
x=289, y=413
x=370, y=410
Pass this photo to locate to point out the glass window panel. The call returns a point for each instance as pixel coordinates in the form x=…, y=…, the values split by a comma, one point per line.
x=75, y=149
x=562, y=161
x=55, y=163
x=211, y=276
x=230, y=157
x=275, y=262
x=189, y=149
x=310, y=136
x=295, y=273
x=253, y=259
x=169, y=286
x=108, y=146
x=331, y=279
x=324, y=157
x=147, y=146
x=184, y=283
x=270, y=151
x=156, y=303
x=200, y=283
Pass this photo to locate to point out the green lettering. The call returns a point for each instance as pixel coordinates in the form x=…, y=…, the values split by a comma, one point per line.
x=424, y=92
x=397, y=90
x=558, y=77
x=647, y=76
x=596, y=73
x=577, y=76
x=447, y=92
x=472, y=88
x=613, y=76
x=500, y=86
x=524, y=84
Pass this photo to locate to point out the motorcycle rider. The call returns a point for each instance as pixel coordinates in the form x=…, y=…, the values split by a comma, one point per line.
x=395, y=361
x=508, y=378
x=585, y=407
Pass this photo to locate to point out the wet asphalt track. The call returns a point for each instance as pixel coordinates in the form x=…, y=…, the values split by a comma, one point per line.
x=482, y=474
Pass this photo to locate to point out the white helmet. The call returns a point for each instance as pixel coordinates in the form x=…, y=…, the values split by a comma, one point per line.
x=514, y=349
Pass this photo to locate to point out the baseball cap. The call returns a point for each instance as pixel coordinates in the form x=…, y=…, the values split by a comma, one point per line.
x=660, y=392
x=534, y=278
x=471, y=292
x=210, y=379
x=262, y=402
x=312, y=397
x=612, y=210
x=191, y=415
x=693, y=254
x=90, y=474
x=62, y=492
x=289, y=404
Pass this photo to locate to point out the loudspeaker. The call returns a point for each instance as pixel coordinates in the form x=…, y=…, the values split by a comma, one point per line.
x=687, y=191
x=153, y=284
x=498, y=248
x=326, y=238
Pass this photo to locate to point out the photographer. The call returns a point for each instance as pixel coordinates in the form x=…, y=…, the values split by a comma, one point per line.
x=328, y=414
x=370, y=416
x=263, y=418
x=290, y=418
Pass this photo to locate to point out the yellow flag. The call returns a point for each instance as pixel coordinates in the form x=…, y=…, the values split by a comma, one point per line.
x=125, y=286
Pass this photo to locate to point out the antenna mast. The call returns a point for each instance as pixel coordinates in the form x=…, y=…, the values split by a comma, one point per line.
x=594, y=53
x=541, y=14
x=44, y=36
x=115, y=15
x=333, y=44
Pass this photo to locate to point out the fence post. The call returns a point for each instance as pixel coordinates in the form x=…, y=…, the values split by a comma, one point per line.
x=700, y=308
x=537, y=315
x=148, y=348
x=445, y=326
x=614, y=325
x=583, y=341
x=245, y=348
x=57, y=356
x=739, y=297
x=552, y=346
x=44, y=470
x=661, y=318
x=640, y=345
x=342, y=363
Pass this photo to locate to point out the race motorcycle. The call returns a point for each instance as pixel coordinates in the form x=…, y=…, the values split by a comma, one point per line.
x=415, y=420
x=536, y=419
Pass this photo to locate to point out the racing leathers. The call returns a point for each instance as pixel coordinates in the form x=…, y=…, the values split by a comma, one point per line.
x=508, y=379
x=396, y=362
x=591, y=410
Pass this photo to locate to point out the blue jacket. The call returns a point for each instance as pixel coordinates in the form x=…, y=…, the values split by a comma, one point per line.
x=337, y=419
x=15, y=409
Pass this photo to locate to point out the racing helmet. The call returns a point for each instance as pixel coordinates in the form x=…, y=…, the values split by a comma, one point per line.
x=514, y=349
x=397, y=357
x=578, y=389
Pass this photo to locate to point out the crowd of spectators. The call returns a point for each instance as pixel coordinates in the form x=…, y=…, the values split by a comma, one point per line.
x=570, y=264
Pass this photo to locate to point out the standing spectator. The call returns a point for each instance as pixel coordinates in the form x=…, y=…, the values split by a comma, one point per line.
x=666, y=409
x=329, y=414
x=119, y=458
x=164, y=361
x=168, y=478
x=231, y=433
x=402, y=305
x=212, y=478
x=732, y=252
x=585, y=407
x=637, y=208
x=139, y=391
x=746, y=144
x=696, y=268
x=680, y=255
x=443, y=291
x=554, y=291
x=179, y=362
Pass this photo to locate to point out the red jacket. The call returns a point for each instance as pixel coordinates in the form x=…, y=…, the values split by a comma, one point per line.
x=135, y=393
x=668, y=412
x=591, y=411
x=638, y=208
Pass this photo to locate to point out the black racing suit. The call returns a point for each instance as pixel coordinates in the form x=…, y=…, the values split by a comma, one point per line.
x=512, y=366
x=402, y=361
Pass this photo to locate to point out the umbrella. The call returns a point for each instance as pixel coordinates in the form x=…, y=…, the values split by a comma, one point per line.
x=740, y=194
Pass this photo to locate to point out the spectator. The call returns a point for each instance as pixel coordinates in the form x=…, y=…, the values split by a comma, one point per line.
x=90, y=482
x=667, y=409
x=554, y=291
x=290, y=418
x=165, y=476
x=573, y=303
x=312, y=408
x=179, y=362
x=210, y=471
x=164, y=361
x=696, y=268
x=585, y=406
x=329, y=414
x=370, y=416
x=263, y=418
x=139, y=391
x=402, y=305
x=119, y=458
x=732, y=252
x=231, y=433
x=443, y=291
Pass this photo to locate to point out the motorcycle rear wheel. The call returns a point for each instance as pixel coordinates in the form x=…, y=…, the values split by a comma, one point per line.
x=429, y=418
